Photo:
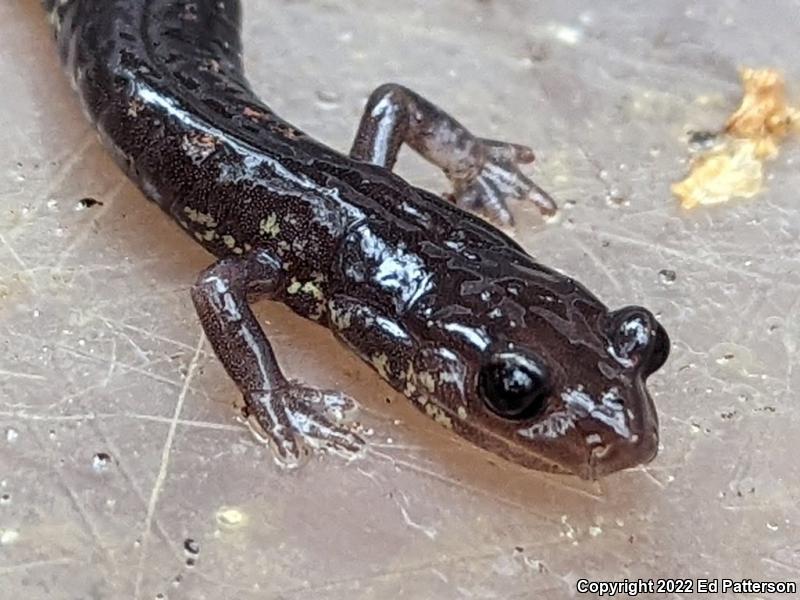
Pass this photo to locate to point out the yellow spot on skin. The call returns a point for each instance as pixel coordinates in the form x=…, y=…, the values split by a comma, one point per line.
x=269, y=226
x=438, y=415
x=313, y=290
x=425, y=379
x=462, y=413
x=381, y=364
x=199, y=217
x=410, y=377
x=229, y=241
x=294, y=287
x=341, y=319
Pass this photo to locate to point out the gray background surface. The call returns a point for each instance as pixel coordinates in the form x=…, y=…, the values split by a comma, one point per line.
x=101, y=353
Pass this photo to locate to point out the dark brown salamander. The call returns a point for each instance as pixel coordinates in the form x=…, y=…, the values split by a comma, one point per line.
x=513, y=356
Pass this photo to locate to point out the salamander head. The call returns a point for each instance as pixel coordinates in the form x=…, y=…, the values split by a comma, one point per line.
x=561, y=385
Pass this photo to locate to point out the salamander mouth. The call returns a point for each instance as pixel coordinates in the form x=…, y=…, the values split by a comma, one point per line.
x=639, y=448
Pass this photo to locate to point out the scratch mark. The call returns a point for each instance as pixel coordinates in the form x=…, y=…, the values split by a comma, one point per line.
x=651, y=477
x=116, y=325
x=463, y=486
x=599, y=264
x=34, y=564
x=409, y=570
x=13, y=253
x=690, y=258
x=76, y=504
x=428, y=531
x=162, y=472
x=73, y=159
x=16, y=375
x=24, y=416
x=111, y=365
x=782, y=565
x=132, y=483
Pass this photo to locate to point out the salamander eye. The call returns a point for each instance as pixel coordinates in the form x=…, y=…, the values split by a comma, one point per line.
x=639, y=339
x=660, y=352
x=514, y=386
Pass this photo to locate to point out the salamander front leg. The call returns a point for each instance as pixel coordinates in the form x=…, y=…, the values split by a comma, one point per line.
x=484, y=173
x=289, y=415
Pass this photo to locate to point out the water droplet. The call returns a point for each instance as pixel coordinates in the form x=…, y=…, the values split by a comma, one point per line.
x=51, y=434
x=667, y=276
x=774, y=324
x=5, y=499
x=101, y=461
x=702, y=139
x=191, y=546
x=85, y=203
x=328, y=99
x=11, y=435
x=230, y=517
x=616, y=198
x=190, y=562
x=726, y=358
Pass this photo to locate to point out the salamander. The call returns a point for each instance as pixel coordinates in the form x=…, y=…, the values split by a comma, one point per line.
x=513, y=356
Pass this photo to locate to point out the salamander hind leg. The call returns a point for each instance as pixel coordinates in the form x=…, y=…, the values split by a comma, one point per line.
x=484, y=173
x=291, y=417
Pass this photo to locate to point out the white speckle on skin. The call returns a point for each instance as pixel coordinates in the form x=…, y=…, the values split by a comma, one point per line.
x=196, y=216
x=475, y=335
x=381, y=364
x=438, y=415
x=231, y=309
x=198, y=147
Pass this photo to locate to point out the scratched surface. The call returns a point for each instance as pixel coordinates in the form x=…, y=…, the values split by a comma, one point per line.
x=123, y=473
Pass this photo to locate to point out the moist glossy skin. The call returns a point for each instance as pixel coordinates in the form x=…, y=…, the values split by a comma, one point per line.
x=431, y=296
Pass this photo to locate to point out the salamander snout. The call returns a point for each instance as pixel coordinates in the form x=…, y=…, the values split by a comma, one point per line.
x=639, y=449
